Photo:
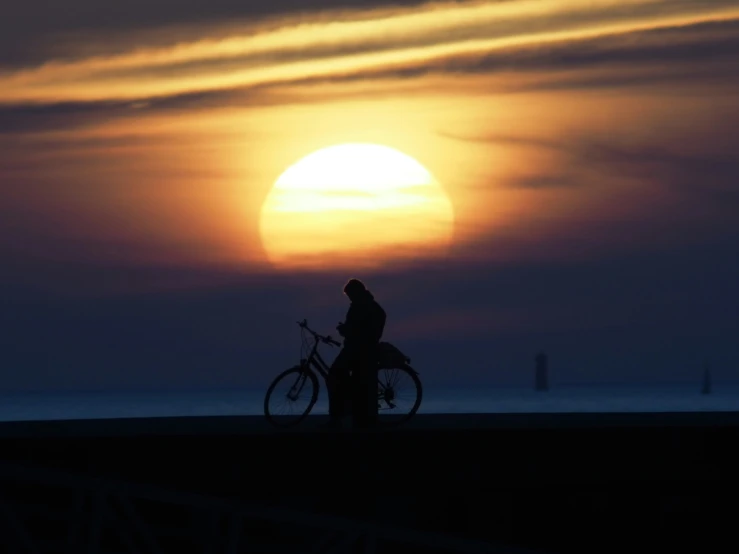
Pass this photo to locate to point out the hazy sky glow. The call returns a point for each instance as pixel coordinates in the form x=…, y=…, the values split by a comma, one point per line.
x=588, y=149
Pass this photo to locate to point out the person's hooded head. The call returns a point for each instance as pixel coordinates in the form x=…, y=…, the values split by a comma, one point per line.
x=355, y=290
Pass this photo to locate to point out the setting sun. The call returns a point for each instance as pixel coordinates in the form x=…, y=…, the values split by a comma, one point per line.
x=356, y=204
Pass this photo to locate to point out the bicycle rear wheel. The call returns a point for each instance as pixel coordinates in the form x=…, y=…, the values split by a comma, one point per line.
x=291, y=397
x=399, y=394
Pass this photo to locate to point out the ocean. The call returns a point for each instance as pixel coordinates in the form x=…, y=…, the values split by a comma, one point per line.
x=439, y=400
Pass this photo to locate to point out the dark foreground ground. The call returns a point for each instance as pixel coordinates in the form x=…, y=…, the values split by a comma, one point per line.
x=595, y=483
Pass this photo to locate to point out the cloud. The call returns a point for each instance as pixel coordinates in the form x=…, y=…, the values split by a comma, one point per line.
x=502, y=139
x=544, y=182
x=477, y=37
x=713, y=174
x=703, y=53
x=67, y=115
x=694, y=158
x=28, y=39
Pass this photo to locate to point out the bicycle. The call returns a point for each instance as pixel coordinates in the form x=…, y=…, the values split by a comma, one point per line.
x=303, y=383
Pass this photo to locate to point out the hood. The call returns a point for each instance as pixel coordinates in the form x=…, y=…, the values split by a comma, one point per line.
x=364, y=296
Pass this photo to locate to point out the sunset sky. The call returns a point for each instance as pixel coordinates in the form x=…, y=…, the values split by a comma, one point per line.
x=589, y=150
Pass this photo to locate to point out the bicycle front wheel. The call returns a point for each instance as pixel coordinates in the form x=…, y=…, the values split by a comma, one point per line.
x=291, y=397
x=399, y=395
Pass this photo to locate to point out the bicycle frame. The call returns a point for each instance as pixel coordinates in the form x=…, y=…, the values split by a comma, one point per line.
x=313, y=365
x=316, y=361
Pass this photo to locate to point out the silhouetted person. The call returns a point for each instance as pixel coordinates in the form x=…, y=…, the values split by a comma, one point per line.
x=362, y=330
x=542, y=377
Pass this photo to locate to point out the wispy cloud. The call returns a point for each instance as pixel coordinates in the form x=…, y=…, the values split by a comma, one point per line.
x=705, y=166
x=362, y=42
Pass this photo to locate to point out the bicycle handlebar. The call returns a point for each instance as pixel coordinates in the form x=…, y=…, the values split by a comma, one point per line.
x=323, y=338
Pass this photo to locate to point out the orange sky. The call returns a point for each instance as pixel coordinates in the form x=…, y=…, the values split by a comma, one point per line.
x=588, y=148
x=174, y=135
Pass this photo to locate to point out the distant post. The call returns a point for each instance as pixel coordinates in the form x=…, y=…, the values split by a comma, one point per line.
x=542, y=370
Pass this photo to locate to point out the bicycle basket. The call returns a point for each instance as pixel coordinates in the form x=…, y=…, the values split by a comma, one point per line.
x=390, y=357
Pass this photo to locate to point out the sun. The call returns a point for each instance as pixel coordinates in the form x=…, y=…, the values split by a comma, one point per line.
x=355, y=205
